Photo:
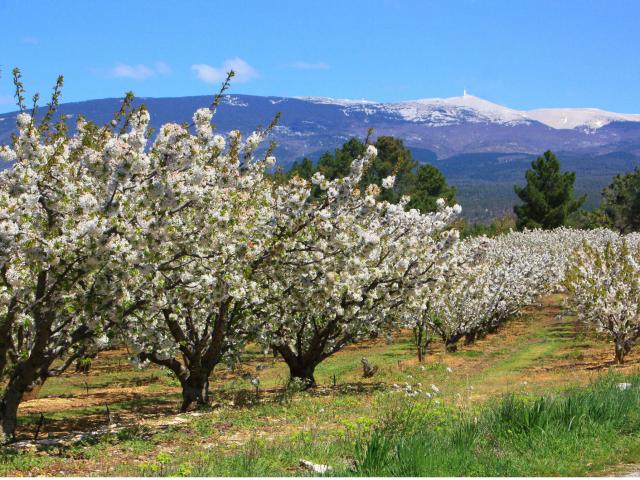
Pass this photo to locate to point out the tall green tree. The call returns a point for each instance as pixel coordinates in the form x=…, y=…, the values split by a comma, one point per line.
x=393, y=159
x=621, y=202
x=303, y=168
x=429, y=184
x=548, y=197
x=424, y=183
x=338, y=164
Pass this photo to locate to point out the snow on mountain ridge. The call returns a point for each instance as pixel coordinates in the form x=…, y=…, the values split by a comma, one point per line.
x=570, y=118
x=473, y=108
x=336, y=101
x=469, y=108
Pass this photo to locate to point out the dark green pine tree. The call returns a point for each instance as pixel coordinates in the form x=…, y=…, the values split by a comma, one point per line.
x=424, y=184
x=621, y=202
x=303, y=168
x=429, y=185
x=548, y=196
x=338, y=165
x=393, y=159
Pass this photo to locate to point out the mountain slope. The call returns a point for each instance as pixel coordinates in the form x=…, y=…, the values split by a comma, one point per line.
x=474, y=141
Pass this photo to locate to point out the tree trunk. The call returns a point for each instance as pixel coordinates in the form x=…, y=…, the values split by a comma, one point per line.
x=493, y=328
x=303, y=373
x=451, y=347
x=470, y=337
x=421, y=341
x=451, y=344
x=9, y=415
x=301, y=366
x=194, y=381
x=620, y=351
x=195, y=389
x=23, y=380
x=32, y=391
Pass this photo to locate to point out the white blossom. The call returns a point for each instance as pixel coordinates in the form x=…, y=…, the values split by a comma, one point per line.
x=389, y=181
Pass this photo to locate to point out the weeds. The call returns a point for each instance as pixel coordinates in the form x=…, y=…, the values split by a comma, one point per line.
x=569, y=434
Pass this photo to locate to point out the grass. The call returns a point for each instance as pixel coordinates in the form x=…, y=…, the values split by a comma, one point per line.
x=572, y=434
x=125, y=405
x=581, y=431
x=351, y=424
x=257, y=457
x=469, y=353
x=118, y=377
x=20, y=462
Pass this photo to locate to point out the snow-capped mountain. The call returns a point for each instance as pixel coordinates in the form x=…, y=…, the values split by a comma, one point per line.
x=482, y=147
x=437, y=112
x=445, y=126
x=433, y=112
x=568, y=118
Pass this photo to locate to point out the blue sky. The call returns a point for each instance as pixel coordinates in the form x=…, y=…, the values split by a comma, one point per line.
x=520, y=53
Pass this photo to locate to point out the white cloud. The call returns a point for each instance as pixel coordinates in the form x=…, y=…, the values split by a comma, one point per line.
x=30, y=40
x=163, y=68
x=208, y=74
x=136, y=72
x=310, y=65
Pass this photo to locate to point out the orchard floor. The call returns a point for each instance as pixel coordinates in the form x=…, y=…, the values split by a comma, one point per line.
x=537, y=353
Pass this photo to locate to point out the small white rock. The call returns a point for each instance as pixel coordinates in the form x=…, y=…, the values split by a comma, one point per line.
x=314, y=467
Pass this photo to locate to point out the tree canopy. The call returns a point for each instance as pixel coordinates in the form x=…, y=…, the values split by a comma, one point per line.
x=423, y=183
x=548, y=197
x=621, y=202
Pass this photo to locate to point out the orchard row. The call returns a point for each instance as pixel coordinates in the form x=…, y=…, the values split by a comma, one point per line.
x=186, y=249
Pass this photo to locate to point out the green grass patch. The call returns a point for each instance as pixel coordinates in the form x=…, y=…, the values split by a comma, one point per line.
x=257, y=457
x=581, y=431
x=468, y=353
x=12, y=461
x=576, y=433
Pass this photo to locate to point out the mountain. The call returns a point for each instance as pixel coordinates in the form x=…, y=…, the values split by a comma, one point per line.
x=482, y=147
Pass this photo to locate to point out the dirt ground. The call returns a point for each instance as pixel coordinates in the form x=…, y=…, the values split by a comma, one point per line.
x=540, y=351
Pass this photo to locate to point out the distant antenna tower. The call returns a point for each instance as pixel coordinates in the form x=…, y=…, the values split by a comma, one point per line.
x=464, y=92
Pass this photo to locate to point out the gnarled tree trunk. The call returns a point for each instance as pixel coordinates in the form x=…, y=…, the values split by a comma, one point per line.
x=622, y=348
x=451, y=345
x=303, y=373
x=301, y=367
x=311, y=350
x=194, y=381
x=28, y=373
x=9, y=413
x=470, y=337
x=26, y=377
x=195, y=389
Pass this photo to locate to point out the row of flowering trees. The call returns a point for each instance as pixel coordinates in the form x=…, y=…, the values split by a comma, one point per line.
x=185, y=248
x=489, y=280
x=604, y=280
